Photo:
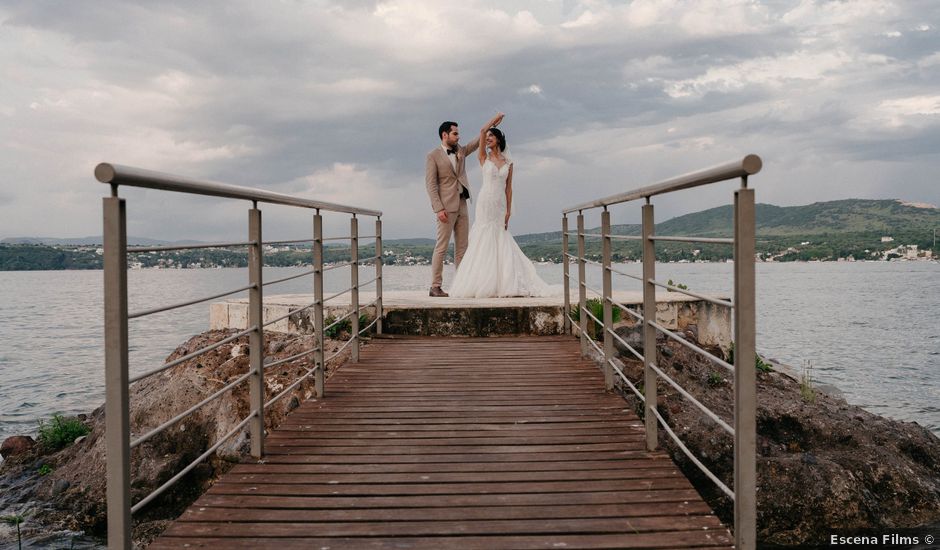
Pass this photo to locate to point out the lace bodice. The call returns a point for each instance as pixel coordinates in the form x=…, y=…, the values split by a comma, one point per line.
x=491, y=201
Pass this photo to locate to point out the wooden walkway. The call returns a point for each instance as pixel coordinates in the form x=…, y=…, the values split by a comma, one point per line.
x=433, y=443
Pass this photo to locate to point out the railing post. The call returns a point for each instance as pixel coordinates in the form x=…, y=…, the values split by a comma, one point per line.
x=256, y=337
x=566, y=275
x=117, y=414
x=649, y=331
x=608, y=305
x=378, y=276
x=745, y=398
x=582, y=290
x=320, y=375
x=354, y=284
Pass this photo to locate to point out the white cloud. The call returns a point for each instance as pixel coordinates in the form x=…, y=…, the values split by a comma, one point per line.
x=773, y=72
x=340, y=100
x=910, y=111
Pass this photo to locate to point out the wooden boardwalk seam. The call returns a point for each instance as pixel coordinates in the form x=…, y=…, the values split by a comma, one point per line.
x=469, y=443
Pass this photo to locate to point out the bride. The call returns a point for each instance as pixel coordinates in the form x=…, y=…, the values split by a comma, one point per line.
x=494, y=265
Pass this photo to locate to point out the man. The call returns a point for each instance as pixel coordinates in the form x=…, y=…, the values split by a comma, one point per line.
x=446, y=181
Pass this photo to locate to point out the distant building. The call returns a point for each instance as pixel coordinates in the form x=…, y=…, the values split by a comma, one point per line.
x=887, y=239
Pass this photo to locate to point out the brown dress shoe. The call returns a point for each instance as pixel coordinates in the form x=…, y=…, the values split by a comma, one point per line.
x=437, y=292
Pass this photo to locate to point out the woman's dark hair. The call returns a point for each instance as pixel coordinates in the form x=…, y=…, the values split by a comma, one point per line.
x=500, y=138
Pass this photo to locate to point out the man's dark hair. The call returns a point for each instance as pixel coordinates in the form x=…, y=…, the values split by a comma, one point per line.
x=445, y=129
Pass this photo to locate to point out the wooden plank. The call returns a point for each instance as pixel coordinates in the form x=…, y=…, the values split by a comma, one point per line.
x=445, y=527
x=704, y=539
x=586, y=499
x=464, y=513
x=224, y=486
x=456, y=443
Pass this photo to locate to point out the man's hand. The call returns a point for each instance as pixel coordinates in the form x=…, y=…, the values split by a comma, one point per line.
x=442, y=216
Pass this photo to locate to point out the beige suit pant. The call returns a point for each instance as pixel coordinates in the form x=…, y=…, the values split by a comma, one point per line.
x=458, y=225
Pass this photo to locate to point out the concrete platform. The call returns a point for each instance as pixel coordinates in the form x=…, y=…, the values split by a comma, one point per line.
x=415, y=313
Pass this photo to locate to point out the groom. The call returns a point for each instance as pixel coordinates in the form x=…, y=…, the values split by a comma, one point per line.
x=445, y=176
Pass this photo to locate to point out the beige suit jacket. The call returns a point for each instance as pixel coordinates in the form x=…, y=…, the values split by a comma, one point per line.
x=443, y=183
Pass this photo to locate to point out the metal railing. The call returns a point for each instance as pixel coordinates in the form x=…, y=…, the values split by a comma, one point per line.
x=743, y=312
x=117, y=379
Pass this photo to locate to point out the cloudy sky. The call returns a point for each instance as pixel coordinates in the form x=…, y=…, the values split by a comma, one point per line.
x=340, y=101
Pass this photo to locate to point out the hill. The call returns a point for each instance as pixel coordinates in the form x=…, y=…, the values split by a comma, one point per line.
x=819, y=231
x=842, y=216
x=851, y=228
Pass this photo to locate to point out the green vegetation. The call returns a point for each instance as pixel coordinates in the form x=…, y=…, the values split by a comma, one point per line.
x=45, y=469
x=715, y=379
x=342, y=327
x=60, y=432
x=819, y=231
x=677, y=285
x=15, y=520
x=596, y=307
x=759, y=363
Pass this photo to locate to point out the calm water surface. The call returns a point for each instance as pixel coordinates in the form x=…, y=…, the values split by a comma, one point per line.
x=869, y=328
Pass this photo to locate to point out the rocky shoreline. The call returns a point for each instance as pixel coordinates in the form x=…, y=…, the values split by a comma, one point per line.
x=61, y=495
x=822, y=464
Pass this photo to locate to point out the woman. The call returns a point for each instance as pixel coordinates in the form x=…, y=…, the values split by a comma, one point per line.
x=494, y=265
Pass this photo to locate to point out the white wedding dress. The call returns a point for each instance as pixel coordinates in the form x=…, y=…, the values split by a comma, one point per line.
x=494, y=265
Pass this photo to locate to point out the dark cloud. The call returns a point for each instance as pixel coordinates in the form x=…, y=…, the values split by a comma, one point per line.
x=341, y=100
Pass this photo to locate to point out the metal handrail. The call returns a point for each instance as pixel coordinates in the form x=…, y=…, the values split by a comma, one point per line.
x=706, y=240
x=192, y=355
x=626, y=309
x=691, y=456
x=718, y=420
x=270, y=322
x=119, y=442
x=688, y=292
x=716, y=360
x=340, y=320
x=142, y=249
x=146, y=312
x=742, y=307
x=367, y=259
x=116, y=174
x=370, y=325
x=294, y=357
x=337, y=266
x=623, y=342
x=293, y=385
x=295, y=241
x=612, y=270
x=182, y=415
x=337, y=295
x=626, y=380
x=299, y=275
x=159, y=490
x=747, y=166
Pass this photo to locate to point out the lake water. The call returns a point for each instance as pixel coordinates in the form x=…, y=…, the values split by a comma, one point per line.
x=871, y=329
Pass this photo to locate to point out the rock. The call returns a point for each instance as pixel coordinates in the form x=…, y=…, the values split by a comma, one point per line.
x=80, y=469
x=16, y=445
x=59, y=487
x=79, y=439
x=632, y=336
x=276, y=347
x=820, y=465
